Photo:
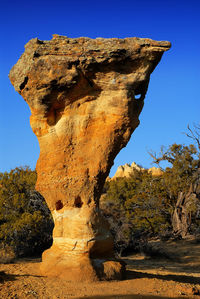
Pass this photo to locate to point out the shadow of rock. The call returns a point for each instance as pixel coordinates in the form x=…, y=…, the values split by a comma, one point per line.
x=11, y=277
x=6, y=277
x=132, y=296
x=171, y=267
x=168, y=277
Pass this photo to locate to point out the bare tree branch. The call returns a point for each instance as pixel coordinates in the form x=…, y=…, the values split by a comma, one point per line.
x=164, y=155
x=194, y=134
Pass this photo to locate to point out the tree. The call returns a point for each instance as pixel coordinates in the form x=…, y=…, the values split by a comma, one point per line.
x=179, y=180
x=148, y=209
x=143, y=205
x=194, y=134
x=25, y=221
x=136, y=208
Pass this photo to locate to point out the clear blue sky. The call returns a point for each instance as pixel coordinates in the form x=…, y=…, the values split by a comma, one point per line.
x=172, y=101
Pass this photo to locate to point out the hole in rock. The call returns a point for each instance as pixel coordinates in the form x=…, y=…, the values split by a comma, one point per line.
x=78, y=202
x=24, y=83
x=59, y=205
x=35, y=55
x=54, y=115
x=138, y=96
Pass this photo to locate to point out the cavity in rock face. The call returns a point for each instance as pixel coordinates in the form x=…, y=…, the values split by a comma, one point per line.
x=85, y=98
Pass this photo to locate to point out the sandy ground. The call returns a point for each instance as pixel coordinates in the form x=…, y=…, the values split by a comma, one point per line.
x=177, y=276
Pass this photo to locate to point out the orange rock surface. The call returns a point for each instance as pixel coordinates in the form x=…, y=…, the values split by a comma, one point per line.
x=85, y=98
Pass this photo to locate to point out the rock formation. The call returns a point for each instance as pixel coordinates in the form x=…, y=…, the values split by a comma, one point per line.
x=155, y=171
x=85, y=97
x=125, y=171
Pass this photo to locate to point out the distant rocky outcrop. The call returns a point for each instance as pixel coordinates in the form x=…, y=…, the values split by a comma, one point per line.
x=85, y=98
x=155, y=171
x=127, y=170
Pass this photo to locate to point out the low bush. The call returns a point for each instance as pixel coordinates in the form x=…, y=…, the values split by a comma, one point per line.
x=25, y=220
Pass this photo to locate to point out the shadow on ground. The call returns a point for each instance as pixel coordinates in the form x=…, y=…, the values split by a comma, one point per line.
x=11, y=277
x=177, y=256
x=6, y=277
x=177, y=278
x=132, y=296
x=163, y=265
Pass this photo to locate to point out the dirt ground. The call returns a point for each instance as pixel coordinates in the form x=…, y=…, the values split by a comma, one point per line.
x=174, y=272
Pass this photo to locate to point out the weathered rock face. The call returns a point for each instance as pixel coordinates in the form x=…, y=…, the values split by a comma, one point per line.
x=82, y=96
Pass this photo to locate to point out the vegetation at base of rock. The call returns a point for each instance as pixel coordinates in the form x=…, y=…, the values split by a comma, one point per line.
x=144, y=206
x=25, y=221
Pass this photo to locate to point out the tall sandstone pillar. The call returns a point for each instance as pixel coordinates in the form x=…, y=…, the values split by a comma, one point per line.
x=85, y=98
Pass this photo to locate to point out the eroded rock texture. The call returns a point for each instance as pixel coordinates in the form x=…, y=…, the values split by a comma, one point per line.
x=85, y=97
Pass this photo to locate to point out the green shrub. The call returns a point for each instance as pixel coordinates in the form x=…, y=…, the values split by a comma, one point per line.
x=25, y=221
x=142, y=206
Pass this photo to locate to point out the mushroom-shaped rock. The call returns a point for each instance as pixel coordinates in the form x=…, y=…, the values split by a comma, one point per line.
x=85, y=97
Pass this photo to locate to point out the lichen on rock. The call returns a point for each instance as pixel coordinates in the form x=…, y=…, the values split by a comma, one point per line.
x=85, y=97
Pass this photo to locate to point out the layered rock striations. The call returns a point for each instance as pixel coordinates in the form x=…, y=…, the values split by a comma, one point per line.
x=85, y=97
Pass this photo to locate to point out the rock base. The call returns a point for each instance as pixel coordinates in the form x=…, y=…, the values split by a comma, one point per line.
x=80, y=268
